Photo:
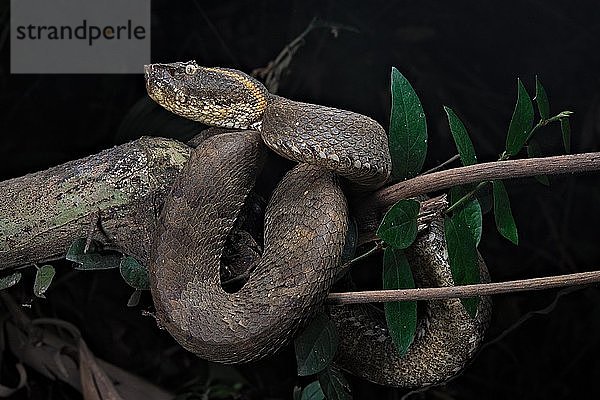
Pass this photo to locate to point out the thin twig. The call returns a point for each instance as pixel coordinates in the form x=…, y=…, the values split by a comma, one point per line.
x=442, y=165
x=378, y=246
x=217, y=34
x=271, y=74
x=346, y=266
x=544, y=311
x=480, y=289
x=466, y=197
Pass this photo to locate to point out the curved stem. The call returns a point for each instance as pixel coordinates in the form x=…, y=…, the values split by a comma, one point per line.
x=371, y=209
x=489, y=171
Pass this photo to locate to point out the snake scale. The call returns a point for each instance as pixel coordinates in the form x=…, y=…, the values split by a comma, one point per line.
x=306, y=222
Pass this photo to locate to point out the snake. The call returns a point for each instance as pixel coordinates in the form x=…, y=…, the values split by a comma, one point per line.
x=305, y=226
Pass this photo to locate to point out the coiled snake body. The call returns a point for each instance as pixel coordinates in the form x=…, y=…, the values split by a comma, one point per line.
x=306, y=222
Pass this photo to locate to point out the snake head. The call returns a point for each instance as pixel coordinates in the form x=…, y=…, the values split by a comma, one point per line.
x=220, y=97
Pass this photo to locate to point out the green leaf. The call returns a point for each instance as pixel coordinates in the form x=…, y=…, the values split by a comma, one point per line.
x=521, y=122
x=541, y=99
x=485, y=200
x=463, y=231
x=43, y=279
x=94, y=258
x=312, y=392
x=334, y=384
x=134, y=299
x=401, y=316
x=10, y=280
x=469, y=214
x=399, y=225
x=316, y=345
x=462, y=256
x=565, y=127
x=134, y=273
x=408, y=129
x=534, y=151
x=461, y=138
x=502, y=213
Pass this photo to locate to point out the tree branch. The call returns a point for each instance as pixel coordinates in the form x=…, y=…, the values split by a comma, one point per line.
x=122, y=188
x=370, y=210
x=41, y=214
x=480, y=289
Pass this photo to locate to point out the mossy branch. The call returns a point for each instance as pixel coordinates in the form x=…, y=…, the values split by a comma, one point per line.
x=41, y=214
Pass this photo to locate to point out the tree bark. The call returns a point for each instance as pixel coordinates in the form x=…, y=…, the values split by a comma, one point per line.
x=42, y=213
x=124, y=187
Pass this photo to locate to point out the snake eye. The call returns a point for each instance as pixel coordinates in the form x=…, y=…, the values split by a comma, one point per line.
x=190, y=69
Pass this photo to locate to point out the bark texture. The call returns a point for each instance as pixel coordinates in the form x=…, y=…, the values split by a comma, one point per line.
x=42, y=213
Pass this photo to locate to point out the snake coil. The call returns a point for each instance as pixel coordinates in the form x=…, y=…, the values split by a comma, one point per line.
x=305, y=229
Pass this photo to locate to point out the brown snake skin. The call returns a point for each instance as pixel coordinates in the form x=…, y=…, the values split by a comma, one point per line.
x=305, y=229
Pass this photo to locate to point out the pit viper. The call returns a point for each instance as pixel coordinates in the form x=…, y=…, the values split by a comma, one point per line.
x=306, y=222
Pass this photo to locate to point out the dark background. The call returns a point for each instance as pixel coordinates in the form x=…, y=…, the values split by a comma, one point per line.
x=466, y=55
